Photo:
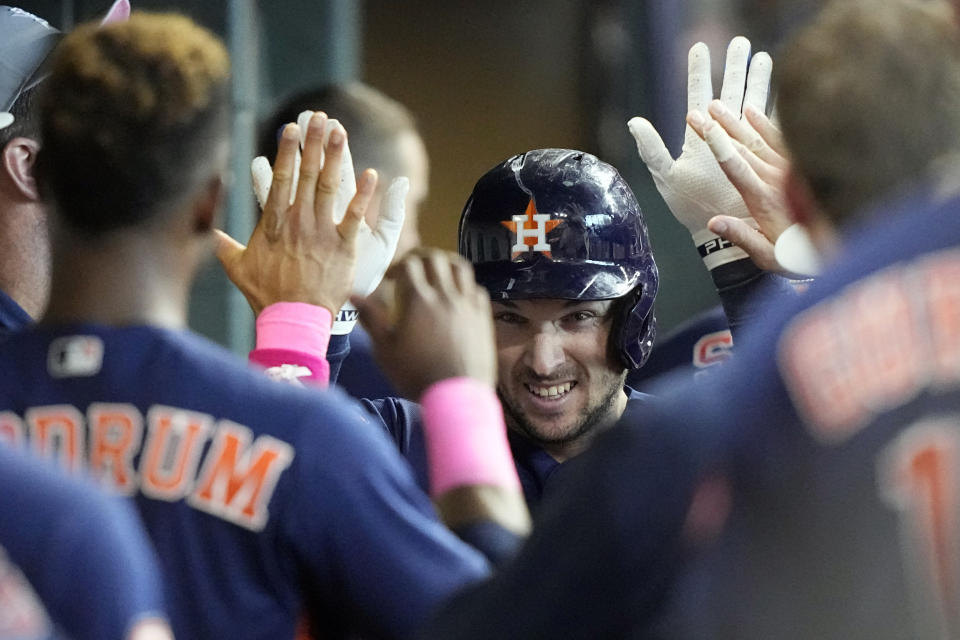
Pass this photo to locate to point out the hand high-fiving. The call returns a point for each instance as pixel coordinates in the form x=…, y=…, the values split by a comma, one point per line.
x=299, y=251
x=693, y=186
x=430, y=320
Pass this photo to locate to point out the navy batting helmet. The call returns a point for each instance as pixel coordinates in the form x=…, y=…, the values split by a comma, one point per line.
x=557, y=223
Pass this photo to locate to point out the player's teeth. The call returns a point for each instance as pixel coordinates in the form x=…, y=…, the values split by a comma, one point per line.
x=548, y=392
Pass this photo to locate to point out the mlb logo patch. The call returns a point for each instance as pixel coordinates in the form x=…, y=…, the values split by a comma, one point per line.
x=75, y=357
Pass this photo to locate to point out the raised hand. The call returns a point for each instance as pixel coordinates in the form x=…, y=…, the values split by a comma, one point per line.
x=299, y=251
x=375, y=247
x=752, y=155
x=430, y=321
x=693, y=185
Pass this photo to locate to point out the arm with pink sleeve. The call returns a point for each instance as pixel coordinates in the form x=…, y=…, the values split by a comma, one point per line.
x=462, y=421
x=292, y=341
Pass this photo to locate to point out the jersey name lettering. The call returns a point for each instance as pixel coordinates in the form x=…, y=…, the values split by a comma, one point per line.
x=875, y=347
x=234, y=480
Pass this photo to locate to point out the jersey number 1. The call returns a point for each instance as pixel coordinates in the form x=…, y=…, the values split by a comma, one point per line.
x=918, y=475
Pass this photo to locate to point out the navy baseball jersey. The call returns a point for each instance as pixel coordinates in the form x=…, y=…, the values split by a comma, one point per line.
x=840, y=429
x=706, y=339
x=699, y=343
x=73, y=562
x=266, y=503
x=360, y=375
x=808, y=490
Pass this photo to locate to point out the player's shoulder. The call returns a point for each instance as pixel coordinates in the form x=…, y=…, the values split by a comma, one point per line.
x=679, y=419
x=172, y=367
x=634, y=396
x=50, y=500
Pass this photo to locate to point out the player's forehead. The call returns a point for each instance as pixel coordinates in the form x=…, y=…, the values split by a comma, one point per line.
x=550, y=307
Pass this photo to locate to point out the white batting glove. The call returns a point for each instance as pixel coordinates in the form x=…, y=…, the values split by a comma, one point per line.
x=693, y=186
x=375, y=247
x=262, y=174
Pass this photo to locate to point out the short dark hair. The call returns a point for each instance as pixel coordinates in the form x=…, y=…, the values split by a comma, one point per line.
x=869, y=99
x=130, y=115
x=26, y=123
x=373, y=122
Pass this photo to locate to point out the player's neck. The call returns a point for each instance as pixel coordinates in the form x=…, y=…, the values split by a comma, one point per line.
x=127, y=279
x=24, y=255
x=562, y=452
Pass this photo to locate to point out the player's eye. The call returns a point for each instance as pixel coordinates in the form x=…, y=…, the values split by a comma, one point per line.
x=581, y=320
x=508, y=317
x=581, y=316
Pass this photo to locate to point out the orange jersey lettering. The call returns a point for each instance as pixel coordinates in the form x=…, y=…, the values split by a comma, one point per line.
x=918, y=476
x=57, y=431
x=115, y=432
x=238, y=479
x=874, y=347
x=172, y=451
x=11, y=428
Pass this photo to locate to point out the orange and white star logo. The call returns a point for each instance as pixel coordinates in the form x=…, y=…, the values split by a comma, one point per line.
x=531, y=229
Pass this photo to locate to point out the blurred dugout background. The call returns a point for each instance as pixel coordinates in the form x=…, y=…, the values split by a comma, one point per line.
x=485, y=80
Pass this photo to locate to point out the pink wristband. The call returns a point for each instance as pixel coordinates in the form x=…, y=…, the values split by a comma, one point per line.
x=466, y=436
x=295, y=325
x=292, y=340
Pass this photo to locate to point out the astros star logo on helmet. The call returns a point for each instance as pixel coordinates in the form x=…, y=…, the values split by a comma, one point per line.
x=531, y=229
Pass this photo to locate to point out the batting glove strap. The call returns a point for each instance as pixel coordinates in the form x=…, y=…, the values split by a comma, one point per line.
x=715, y=251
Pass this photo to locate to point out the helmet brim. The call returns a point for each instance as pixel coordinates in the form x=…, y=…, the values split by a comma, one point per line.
x=547, y=279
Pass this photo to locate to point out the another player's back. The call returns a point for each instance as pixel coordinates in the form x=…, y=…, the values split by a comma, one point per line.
x=853, y=539
x=265, y=502
x=842, y=452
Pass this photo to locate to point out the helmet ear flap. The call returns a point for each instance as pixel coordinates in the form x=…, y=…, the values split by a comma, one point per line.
x=638, y=350
x=634, y=329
